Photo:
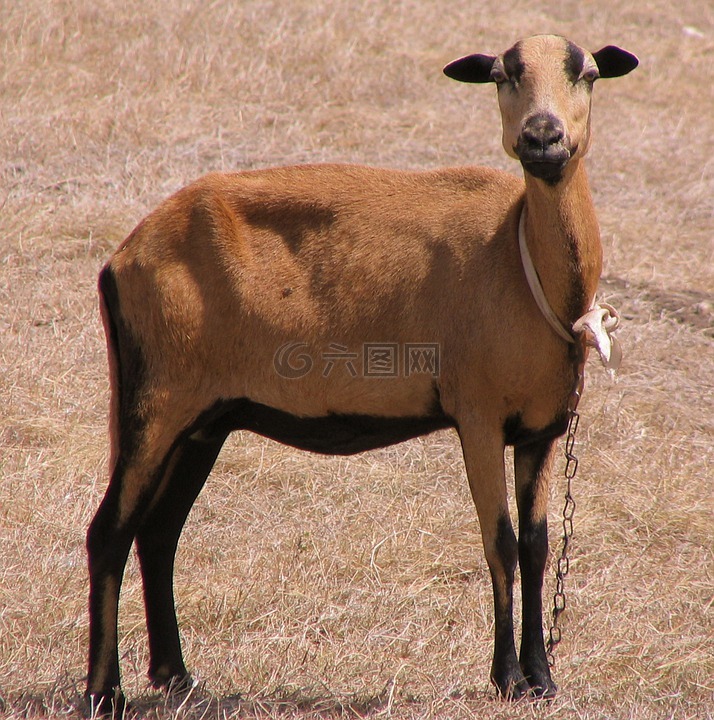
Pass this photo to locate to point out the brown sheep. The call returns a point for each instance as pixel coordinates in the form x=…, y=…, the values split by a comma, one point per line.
x=204, y=299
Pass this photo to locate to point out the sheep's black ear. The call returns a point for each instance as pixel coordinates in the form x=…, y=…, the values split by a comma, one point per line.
x=614, y=61
x=471, y=69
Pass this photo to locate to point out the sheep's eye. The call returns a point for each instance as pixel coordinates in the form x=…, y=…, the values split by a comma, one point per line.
x=590, y=76
x=498, y=76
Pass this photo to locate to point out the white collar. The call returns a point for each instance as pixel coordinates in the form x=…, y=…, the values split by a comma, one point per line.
x=535, y=285
x=595, y=326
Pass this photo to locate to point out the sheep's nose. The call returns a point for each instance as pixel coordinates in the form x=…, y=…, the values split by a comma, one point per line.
x=541, y=132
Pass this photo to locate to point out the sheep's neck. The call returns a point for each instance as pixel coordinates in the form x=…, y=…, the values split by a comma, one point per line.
x=563, y=238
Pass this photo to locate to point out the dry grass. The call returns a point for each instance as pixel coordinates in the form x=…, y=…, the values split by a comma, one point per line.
x=366, y=595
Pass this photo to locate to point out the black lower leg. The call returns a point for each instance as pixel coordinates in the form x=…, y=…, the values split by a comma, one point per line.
x=506, y=673
x=108, y=546
x=157, y=541
x=531, y=463
x=533, y=549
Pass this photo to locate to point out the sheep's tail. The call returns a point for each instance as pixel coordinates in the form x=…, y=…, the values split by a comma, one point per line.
x=108, y=307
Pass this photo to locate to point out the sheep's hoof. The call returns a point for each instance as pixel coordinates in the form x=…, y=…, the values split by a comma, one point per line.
x=178, y=684
x=541, y=684
x=545, y=689
x=110, y=704
x=510, y=683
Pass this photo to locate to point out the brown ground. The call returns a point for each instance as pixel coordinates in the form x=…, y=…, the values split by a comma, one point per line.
x=366, y=595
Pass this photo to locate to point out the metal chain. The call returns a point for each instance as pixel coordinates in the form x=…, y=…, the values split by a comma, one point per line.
x=571, y=467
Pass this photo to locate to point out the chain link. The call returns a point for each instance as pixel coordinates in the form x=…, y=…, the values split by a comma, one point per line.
x=571, y=468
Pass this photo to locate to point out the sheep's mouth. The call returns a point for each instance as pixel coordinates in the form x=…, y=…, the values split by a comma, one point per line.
x=549, y=170
x=544, y=163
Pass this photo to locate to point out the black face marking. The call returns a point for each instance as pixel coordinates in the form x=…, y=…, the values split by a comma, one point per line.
x=513, y=63
x=574, y=61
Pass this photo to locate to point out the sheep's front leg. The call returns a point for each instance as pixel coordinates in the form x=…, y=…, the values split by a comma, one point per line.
x=486, y=474
x=532, y=467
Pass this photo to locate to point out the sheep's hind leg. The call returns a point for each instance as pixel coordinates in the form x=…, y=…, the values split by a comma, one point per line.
x=109, y=539
x=157, y=540
x=108, y=545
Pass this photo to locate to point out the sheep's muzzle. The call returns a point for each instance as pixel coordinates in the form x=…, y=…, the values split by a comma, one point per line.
x=543, y=147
